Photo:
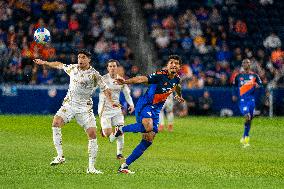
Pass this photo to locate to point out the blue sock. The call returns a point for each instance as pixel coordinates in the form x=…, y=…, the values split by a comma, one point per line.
x=138, y=151
x=134, y=128
x=246, y=129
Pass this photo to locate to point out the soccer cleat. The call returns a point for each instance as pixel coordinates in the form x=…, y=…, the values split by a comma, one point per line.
x=57, y=160
x=94, y=171
x=117, y=133
x=119, y=156
x=245, y=141
x=124, y=169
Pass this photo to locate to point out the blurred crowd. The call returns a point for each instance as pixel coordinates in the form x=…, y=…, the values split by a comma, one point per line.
x=73, y=24
x=213, y=37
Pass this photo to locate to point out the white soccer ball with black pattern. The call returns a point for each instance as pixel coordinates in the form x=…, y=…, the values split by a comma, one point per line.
x=42, y=35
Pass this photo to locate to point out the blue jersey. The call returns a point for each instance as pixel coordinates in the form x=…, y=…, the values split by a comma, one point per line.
x=150, y=104
x=245, y=84
x=161, y=86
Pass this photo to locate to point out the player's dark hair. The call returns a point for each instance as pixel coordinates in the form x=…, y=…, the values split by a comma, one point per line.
x=113, y=60
x=85, y=52
x=175, y=57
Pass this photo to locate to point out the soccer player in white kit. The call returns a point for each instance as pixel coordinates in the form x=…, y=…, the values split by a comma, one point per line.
x=78, y=104
x=168, y=107
x=113, y=116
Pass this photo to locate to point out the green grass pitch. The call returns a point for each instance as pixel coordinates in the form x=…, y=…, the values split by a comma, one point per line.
x=202, y=152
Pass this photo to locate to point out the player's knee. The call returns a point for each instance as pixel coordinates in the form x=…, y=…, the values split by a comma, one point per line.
x=248, y=117
x=57, y=121
x=91, y=133
x=107, y=132
x=148, y=124
x=149, y=136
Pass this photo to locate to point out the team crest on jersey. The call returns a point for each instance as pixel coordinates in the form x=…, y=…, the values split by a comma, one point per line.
x=166, y=83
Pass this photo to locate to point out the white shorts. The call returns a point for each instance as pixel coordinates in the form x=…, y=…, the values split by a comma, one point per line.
x=82, y=113
x=107, y=121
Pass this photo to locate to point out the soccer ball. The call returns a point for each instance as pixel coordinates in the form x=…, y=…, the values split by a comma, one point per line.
x=42, y=35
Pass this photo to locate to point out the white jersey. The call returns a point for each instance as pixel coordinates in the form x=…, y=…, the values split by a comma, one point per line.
x=104, y=107
x=82, y=84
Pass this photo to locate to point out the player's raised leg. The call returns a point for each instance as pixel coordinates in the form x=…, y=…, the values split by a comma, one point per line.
x=106, y=124
x=140, y=127
x=57, y=123
x=119, y=143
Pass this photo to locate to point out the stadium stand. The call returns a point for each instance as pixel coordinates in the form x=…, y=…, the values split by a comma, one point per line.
x=94, y=25
x=214, y=36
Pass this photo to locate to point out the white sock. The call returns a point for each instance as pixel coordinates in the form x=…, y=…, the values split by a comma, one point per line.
x=119, y=144
x=92, y=150
x=57, y=140
x=162, y=118
x=170, y=117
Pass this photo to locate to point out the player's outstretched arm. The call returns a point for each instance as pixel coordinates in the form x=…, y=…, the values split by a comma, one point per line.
x=178, y=97
x=57, y=65
x=133, y=80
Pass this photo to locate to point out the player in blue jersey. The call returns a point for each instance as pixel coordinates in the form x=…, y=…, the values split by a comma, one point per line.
x=246, y=82
x=161, y=85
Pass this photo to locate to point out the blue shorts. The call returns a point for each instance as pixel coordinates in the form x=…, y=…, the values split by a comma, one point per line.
x=148, y=111
x=247, y=106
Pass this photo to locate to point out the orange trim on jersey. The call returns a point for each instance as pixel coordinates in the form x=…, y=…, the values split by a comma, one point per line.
x=247, y=86
x=162, y=97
